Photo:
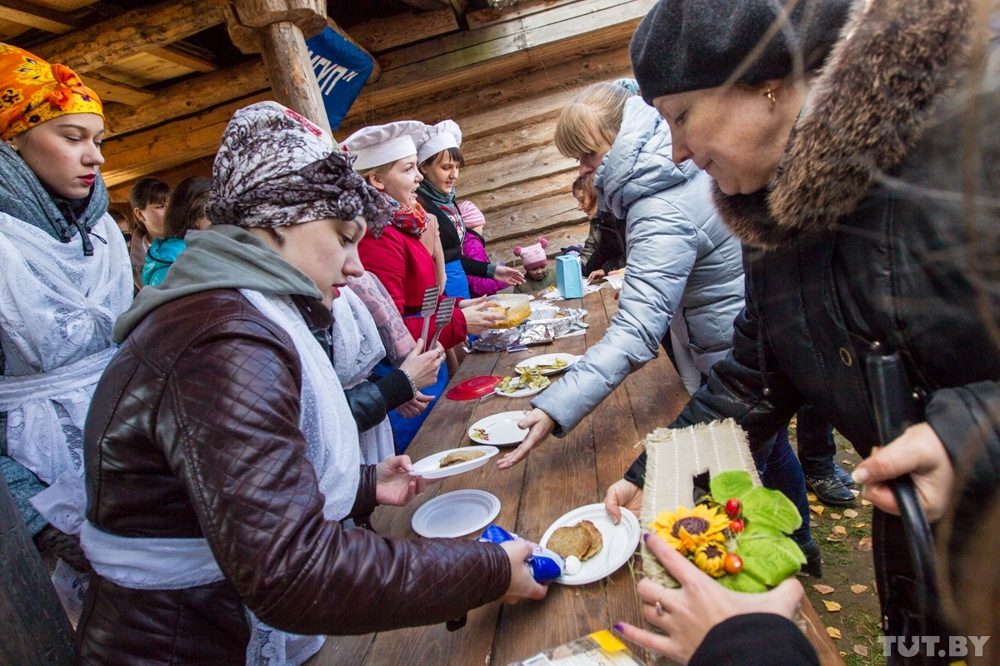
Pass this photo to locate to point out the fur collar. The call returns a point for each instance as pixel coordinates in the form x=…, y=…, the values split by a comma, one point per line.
x=893, y=64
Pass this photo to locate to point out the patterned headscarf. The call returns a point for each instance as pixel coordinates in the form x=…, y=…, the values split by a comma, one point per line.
x=275, y=168
x=32, y=91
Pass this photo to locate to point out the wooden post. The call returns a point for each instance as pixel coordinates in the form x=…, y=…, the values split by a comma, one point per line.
x=286, y=60
x=278, y=29
x=36, y=630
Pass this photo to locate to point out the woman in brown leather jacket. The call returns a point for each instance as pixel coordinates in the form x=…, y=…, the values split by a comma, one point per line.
x=220, y=462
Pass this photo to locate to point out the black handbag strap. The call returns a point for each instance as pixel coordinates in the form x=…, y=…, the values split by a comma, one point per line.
x=896, y=409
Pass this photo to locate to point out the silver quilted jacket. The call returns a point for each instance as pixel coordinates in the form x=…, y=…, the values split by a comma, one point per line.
x=683, y=266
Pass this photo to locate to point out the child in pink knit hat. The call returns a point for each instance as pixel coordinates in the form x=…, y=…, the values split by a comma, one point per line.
x=474, y=247
x=536, y=266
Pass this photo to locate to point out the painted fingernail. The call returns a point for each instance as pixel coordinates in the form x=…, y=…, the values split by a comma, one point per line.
x=620, y=628
x=645, y=537
x=861, y=475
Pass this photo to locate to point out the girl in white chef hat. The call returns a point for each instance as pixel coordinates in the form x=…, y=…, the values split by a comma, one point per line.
x=440, y=158
x=386, y=156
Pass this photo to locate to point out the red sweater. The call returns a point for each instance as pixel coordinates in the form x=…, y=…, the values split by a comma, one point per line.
x=406, y=269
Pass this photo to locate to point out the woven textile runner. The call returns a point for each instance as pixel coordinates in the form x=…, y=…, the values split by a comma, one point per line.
x=673, y=458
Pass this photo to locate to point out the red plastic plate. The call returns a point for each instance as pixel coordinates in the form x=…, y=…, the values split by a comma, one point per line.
x=474, y=388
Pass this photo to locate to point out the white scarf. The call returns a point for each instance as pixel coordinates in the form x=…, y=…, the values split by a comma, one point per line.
x=357, y=349
x=57, y=310
x=332, y=447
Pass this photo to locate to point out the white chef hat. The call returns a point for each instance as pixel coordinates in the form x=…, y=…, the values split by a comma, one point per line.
x=383, y=144
x=435, y=138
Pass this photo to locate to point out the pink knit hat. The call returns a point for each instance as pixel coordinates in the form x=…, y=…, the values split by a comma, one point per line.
x=471, y=214
x=533, y=256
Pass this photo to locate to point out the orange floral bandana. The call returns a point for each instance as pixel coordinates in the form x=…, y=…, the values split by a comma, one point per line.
x=32, y=91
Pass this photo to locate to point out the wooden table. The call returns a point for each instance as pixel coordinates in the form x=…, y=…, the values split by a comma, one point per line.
x=560, y=475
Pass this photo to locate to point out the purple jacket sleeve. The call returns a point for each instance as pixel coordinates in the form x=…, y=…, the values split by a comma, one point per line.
x=473, y=248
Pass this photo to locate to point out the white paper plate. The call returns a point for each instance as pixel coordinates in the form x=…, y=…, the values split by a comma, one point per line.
x=616, y=281
x=545, y=359
x=430, y=467
x=500, y=429
x=455, y=514
x=620, y=542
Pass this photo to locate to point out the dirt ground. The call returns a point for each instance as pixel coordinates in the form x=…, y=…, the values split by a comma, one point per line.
x=846, y=600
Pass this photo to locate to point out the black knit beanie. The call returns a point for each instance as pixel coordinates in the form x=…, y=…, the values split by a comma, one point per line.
x=686, y=45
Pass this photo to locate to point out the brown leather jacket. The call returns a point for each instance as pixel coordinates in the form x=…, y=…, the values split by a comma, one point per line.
x=193, y=432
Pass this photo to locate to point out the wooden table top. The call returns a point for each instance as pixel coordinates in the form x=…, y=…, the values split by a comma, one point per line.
x=559, y=476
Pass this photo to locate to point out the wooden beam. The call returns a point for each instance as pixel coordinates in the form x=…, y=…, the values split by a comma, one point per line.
x=459, y=6
x=133, y=32
x=573, y=38
x=547, y=187
x=112, y=91
x=187, y=97
x=424, y=5
x=483, y=18
x=534, y=218
x=34, y=16
x=169, y=145
x=293, y=80
x=523, y=91
x=193, y=96
x=514, y=169
x=516, y=114
x=179, y=53
x=376, y=66
x=559, y=22
x=492, y=147
x=401, y=29
x=175, y=143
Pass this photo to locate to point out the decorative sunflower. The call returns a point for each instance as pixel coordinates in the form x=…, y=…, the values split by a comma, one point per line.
x=711, y=558
x=687, y=529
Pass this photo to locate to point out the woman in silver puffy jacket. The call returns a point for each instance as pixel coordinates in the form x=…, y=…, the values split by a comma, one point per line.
x=684, y=273
x=684, y=268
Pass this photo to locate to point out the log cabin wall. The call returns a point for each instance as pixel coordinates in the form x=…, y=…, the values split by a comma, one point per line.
x=502, y=74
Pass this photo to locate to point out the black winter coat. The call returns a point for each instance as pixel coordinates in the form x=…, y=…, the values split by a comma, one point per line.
x=840, y=264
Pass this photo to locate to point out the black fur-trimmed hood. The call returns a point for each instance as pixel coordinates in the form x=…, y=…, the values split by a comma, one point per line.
x=893, y=64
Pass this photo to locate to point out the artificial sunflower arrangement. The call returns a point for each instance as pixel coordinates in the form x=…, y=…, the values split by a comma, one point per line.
x=737, y=534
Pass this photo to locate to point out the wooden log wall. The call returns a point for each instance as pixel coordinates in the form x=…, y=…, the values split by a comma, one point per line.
x=506, y=102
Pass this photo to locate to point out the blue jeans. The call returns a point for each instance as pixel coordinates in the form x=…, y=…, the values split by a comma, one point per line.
x=780, y=470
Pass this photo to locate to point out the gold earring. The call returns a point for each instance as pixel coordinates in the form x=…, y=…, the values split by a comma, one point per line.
x=770, y=95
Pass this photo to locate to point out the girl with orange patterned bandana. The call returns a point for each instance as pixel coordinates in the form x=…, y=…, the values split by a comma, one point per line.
x=65, y=280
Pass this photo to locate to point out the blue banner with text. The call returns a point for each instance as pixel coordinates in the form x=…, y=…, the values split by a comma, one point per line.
x=341, y=70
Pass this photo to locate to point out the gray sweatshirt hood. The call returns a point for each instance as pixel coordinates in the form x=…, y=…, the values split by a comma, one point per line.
x=638, y=164
x=221, y=257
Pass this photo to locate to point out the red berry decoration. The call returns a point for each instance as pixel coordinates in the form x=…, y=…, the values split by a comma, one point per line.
x=736, y=525
x=733, y=507
x=733, y=564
